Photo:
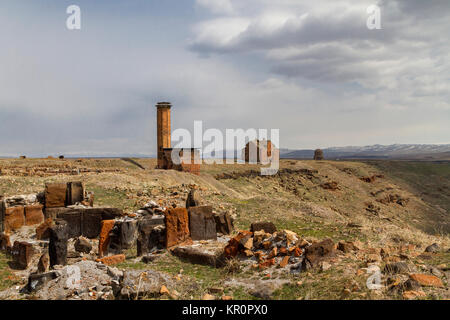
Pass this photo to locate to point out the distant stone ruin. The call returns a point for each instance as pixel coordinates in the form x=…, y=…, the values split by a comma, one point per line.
x=318, y=154
x=165, y=151
x=258, y=151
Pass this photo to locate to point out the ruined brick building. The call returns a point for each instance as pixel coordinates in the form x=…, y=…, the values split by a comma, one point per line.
x=255, y=151
x=189, y=163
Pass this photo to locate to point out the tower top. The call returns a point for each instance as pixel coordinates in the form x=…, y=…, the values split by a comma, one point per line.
x=163, y=105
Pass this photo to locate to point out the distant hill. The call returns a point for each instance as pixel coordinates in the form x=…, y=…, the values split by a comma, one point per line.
x=395, y=151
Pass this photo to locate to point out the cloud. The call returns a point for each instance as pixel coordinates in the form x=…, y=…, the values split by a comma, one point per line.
x=329, y=42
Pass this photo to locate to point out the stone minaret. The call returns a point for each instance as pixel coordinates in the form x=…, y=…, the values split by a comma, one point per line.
x=163, y=129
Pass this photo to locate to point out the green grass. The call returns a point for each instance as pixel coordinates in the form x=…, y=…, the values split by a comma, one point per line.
x=6, y=276
x=112, y=198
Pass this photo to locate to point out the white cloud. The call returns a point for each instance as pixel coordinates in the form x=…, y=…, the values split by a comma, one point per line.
x=327, y=41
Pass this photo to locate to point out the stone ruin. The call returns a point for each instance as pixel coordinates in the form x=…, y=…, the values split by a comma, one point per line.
x=190, y=162
x=60, y=227
x=318, y=154
x=258, y=151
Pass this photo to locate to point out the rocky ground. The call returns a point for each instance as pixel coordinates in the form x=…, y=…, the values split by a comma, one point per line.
x=347, y=224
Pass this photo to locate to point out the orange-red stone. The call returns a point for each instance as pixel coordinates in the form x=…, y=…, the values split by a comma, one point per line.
x=427, y=280
x=43, y=230
x=111, y=260
x=14, y=218
x=177, y=226
x=33, y=215
x=284, y=262
x=106, y=227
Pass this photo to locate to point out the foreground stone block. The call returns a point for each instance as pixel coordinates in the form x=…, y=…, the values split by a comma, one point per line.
x=177, y=226
x=73, y=220
x=43, y=230
x=58, y=243
x=202, y=224
x=92, y=217
x=37, y=280
x=22, y=253
x=224, y=223
x=55, y=195
x=75, y=193
x=44, y=263
x=268, y=227
x=151, y=234
x=87, y=221
x=106, y=227
x=33, y=215
x=5, y=242
x=211, y=255
x=123, y=235
x=14, y=218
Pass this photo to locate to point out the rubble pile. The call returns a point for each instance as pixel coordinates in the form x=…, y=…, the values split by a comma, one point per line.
x=278, y=249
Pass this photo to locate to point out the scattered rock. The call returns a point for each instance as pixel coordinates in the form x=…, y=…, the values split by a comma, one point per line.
x=284, y=262
x=58, y=243
x=398, y=267
x=319, y=251
x=164, y=290
x=434, y=248
x=411, y=285
x=193, y=199
x=346, y=246
x=22, y=253
x=427, y=280
x=208, y=296
x=411, y=295
x=112, y=260
x=331, y=185
x=83, y=245
x=224, y=223
x=140, y=284
x=44, y=263
x=268, y=227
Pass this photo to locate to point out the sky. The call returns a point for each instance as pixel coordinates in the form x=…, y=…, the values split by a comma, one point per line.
x=311, y=69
